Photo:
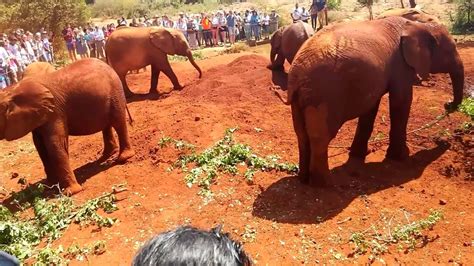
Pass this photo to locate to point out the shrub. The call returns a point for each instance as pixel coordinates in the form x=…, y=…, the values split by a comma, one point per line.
x=334, y=4
x=464, y=17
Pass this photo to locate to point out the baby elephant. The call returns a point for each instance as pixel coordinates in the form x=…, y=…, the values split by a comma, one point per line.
x=286, y=42
x=37, y=69
x=81, y=99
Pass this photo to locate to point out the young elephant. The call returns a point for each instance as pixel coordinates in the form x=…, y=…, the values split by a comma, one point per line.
x=83, y=98
x=286, y=42
x=414, y=14
x=341, y=74
x=38, y=69
x=131, y=48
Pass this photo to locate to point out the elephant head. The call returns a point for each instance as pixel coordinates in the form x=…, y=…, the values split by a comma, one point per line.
x=429, y=48
x=23, y=108
x=172, y=42
x=276, y=44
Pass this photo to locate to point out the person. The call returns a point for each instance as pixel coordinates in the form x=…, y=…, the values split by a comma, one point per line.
x=156, y=21
x=68, y=36
x=304, y=15
x=247, y=27
x=231, y=23
x=190, y=246
x=215, y=28
x=81, y=45
x=89, y=38
x=27, y=40
x=4, y=58
x=133, y=23
x=318, y=12
x=206, y=29
x=255, y=25
x=38, y=47
x=296, y=14
x=122, y=22
x=274, y=18
x=48, y=48
x=181, y=25
x=99, y=40
x=221, y=16
x=266, y=25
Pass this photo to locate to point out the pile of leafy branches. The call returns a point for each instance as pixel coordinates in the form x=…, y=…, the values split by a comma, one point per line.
x=223, y=157
x=21, y=232
x=407, y=236
x=467, y=107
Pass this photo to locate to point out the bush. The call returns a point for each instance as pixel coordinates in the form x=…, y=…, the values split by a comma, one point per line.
x=334, y=4
x=464, y=17
x=53, y=15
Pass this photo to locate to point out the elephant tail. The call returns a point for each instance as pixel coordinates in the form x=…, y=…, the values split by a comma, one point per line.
x=129, y=116
x=276, y=89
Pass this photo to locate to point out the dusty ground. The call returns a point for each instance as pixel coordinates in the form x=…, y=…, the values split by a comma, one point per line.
x=292, y=223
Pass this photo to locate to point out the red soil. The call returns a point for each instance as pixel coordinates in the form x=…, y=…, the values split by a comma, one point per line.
x=286, y=215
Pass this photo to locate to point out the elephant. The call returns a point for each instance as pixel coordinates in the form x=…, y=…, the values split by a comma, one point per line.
x=38, y=68
x=337, y=75
x=286, y=41
x=414, y=14
x=130, y=48
x=82, y=98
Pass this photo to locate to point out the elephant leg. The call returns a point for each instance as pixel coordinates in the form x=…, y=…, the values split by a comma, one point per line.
x=303, y=143
x=57, y=147
x=400, y=103
x=166, y=68
x=43, y=153
x=155, y=74
x=320, y=133
x=126, y=151
x=365, y=126
x=110, y=146
x=126, y=89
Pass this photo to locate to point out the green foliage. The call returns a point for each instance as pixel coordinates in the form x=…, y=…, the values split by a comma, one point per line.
x=21, y=234
x=197, y=55
x=224, y=157
x=53, y=15
x=334, y=4
x=464, y=17
x=467, y=107
x=406, y=236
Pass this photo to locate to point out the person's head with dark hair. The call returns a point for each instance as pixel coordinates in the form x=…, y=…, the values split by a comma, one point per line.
x=190, y=246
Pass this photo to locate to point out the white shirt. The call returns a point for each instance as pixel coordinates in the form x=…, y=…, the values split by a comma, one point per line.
x=266, y=20
x=3, y=55
x=297, y=12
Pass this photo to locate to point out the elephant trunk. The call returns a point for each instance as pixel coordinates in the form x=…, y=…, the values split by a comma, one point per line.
x=191, y=59
x=457, y=79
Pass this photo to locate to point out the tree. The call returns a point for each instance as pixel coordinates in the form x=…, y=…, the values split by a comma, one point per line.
x=368, y=4
x=412, y=3
x=52, y=15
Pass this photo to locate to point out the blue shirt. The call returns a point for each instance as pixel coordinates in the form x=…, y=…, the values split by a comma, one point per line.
x=230, y=21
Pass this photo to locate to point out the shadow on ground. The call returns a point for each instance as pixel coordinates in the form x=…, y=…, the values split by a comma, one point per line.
x=289, y=201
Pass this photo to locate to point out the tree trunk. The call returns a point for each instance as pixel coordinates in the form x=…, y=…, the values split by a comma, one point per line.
x=401, y=2
x=412, y=3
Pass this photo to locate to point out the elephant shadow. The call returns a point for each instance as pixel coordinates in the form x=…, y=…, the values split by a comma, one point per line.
x=289, y=201
x=137, y=97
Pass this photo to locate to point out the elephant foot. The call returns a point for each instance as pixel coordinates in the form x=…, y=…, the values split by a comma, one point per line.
x=72, y=189
x=399, y=153
x=125, y=155
x=178, y=87
x=108, y=154
x=353, y=165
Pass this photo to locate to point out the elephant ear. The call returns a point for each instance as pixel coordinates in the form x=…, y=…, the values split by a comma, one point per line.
x=163, y=39
x=276, y=38
x=417, y=45
x=28, y=106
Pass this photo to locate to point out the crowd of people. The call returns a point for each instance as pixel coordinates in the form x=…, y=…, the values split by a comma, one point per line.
x=318, y=11
x=19, y=49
